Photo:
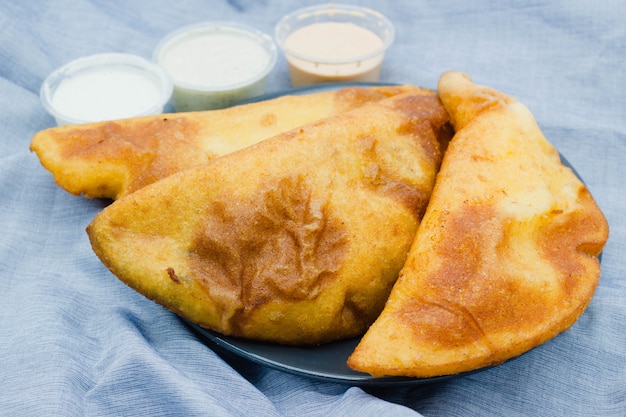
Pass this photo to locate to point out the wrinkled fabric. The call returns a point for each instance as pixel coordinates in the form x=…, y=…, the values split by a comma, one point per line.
x=75, y=341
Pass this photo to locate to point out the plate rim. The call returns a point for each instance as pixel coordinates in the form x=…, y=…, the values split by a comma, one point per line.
x=234, y=346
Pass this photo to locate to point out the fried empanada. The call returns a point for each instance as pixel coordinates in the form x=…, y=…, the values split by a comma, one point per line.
x=296, y=239
x=506, y=256
x=114, y=158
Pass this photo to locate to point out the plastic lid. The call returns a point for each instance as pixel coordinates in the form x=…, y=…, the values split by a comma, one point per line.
x=215, y=55
x=339, y=13
x=105, y=87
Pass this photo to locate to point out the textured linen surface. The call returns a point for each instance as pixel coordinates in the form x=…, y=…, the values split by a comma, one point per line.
x=75, y=341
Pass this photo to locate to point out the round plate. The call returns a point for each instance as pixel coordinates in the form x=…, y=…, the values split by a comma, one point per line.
x=325, y=362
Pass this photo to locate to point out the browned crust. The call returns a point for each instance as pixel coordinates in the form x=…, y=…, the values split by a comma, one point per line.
x=296, y=239
x=115, y=158
x=505, y=257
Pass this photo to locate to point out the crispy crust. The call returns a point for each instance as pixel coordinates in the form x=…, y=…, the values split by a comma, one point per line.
x=505, y=257
x=115, y=158
x=297, y=239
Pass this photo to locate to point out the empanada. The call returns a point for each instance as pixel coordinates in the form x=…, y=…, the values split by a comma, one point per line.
x=506, y=256
x=296, y=239
x=114, y=158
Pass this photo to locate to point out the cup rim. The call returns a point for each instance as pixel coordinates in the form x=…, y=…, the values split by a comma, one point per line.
x=55, y=78
x=264, y=40
x=330, y=9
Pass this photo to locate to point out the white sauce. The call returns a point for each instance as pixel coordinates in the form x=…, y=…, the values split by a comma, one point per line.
x=105, y=93
x=214, y=59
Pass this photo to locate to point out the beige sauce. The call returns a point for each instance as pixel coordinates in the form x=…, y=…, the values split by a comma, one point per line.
x=334, y=52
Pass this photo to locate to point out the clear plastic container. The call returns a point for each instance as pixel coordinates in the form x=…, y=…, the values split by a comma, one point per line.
x=216, y=64
x=334, y=42
x=105, y=86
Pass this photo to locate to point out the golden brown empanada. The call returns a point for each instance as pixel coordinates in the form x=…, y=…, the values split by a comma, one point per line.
x=114, y=158
x=297, y=239
x=506, y=256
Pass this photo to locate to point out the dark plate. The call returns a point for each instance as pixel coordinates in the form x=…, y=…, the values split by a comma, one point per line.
x=325, y=362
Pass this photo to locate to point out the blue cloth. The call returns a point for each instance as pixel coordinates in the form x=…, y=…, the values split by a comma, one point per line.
x=75, y=341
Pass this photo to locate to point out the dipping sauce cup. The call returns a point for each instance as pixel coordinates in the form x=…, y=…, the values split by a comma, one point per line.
x=216, y=64
x=334, y=42
x=105, y=87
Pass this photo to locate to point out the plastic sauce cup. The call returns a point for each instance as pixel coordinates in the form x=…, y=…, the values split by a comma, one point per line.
x=334, y=42
x=216, y=64
x=105, y=87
